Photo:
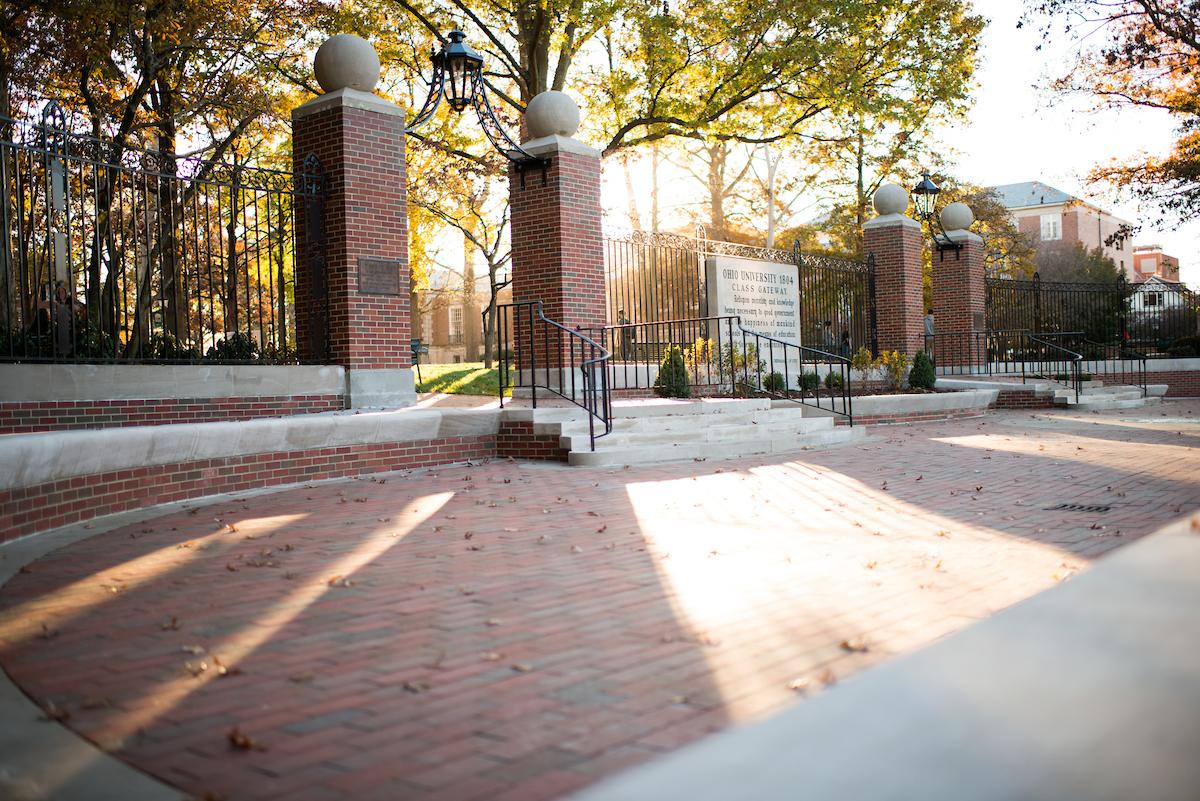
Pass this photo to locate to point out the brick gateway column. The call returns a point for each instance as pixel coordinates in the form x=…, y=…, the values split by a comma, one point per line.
x=897, y=244
x=557, y=238
x=359, y=274
x=959, y=293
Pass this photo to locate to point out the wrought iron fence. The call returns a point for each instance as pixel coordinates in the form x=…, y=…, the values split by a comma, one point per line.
x=654, y=277
x=110, y=253
x=1146, y=317
x=837, y=303
x=723, y=358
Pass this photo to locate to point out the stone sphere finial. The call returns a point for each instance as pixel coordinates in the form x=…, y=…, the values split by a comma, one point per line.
x=346, y=61
x=551, y=113
x=891, y=199
x=957, y=217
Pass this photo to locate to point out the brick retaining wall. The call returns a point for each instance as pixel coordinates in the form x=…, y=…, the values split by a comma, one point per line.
x=35, y=416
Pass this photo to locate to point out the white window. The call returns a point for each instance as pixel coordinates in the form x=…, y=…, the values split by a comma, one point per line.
x=1051, y=227
x=427, y=327
x=456, y=325
x=1153, y=299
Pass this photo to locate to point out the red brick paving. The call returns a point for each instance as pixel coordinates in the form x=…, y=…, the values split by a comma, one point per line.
x=516, y=631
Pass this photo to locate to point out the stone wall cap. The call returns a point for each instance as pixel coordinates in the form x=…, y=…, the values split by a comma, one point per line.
x=962, y=235
x=889, y=220
x=549, y=145
x=348, y=98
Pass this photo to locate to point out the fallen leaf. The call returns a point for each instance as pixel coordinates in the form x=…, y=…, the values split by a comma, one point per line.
x=96, y=703
x=52, y=711
x=239, y=739
x=855, y=645
x=300, y=678
x=414, y=686
x=170, y=625
x=492, y=656
x=194, y=650
x=522, y=667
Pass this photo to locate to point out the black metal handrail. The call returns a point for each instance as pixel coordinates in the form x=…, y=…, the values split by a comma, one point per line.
x=1129, y=365
x=1068, y=359
x=564, y=352
x=762, y=365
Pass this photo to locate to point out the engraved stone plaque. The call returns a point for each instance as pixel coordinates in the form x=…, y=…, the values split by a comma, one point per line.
x=378, y=276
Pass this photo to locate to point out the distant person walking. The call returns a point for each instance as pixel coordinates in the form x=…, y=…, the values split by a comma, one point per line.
x=929, y=332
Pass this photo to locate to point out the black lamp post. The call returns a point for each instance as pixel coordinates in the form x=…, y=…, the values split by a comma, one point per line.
x=458, y=77
x=924, y=197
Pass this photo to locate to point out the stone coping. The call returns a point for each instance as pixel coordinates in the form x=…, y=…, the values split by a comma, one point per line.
x=31, y=459
x=1091, y=366
x=1087, y=691
x=916, y=404
x=22, y=383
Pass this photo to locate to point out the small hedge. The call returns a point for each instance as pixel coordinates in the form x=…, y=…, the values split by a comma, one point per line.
x=922, y=375
x=1184, y=348
x=672, y=381
x=774, y=383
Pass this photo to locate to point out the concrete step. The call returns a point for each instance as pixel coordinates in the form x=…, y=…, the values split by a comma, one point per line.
x=687, y=431
x=1096, y=403
x=684, y=451
x=688, y=422
x=1109, y=393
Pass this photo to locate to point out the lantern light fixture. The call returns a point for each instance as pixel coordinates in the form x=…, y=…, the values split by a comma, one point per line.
x=458, y=78
x=924, y=196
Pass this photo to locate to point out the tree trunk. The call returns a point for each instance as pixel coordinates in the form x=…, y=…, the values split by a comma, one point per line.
x=471, y=320
x=635, y=218
x=860, y=198
x=654, y=187
x=717, y=153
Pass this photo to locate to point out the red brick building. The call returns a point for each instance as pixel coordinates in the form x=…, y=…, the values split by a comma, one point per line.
x=1051, y=216
x=1149, y=261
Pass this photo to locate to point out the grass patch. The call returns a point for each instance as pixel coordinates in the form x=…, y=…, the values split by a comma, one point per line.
x=468, y=378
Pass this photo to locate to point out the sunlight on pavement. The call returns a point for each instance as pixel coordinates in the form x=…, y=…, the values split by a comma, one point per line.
x=741, y=581
x=22, y=622
x=158, y=699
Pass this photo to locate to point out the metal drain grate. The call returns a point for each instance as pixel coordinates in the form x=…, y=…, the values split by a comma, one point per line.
x=1078, y=507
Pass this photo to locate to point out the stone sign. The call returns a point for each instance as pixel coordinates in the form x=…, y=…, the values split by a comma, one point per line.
x=764, y=294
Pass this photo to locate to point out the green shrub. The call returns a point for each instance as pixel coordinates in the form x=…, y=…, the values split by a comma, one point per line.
x=862, y=360
x=239, y=347
x=894, y=364
x=672, y=381
x=774, y=383
x=834, y=381
x=922, y=375
x=167, y=347
x=1184, y=348
x=809, y=381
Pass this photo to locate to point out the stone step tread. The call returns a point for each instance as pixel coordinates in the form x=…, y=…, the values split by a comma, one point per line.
x=721, y=433
x=651, y=454
x=686, y=422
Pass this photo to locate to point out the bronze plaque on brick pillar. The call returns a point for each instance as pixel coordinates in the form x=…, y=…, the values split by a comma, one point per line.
x=378, y=276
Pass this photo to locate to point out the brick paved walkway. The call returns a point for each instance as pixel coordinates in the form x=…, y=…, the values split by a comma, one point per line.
x=516, y=631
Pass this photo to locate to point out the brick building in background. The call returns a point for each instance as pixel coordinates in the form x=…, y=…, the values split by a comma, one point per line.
x=1051, y=216
x=451, y=325
x=1149, y=261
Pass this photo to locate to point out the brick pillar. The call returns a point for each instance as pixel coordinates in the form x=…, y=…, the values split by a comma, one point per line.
x=959, y=302
x=364, y=291
x=897, y=244
x=557, y=239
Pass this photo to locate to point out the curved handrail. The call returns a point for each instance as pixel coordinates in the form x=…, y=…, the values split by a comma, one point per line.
x=831, y=358
x=1072, y=358
x=597, y=401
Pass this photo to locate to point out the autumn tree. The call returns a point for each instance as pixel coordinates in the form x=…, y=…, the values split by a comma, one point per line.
x=1146, y=54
